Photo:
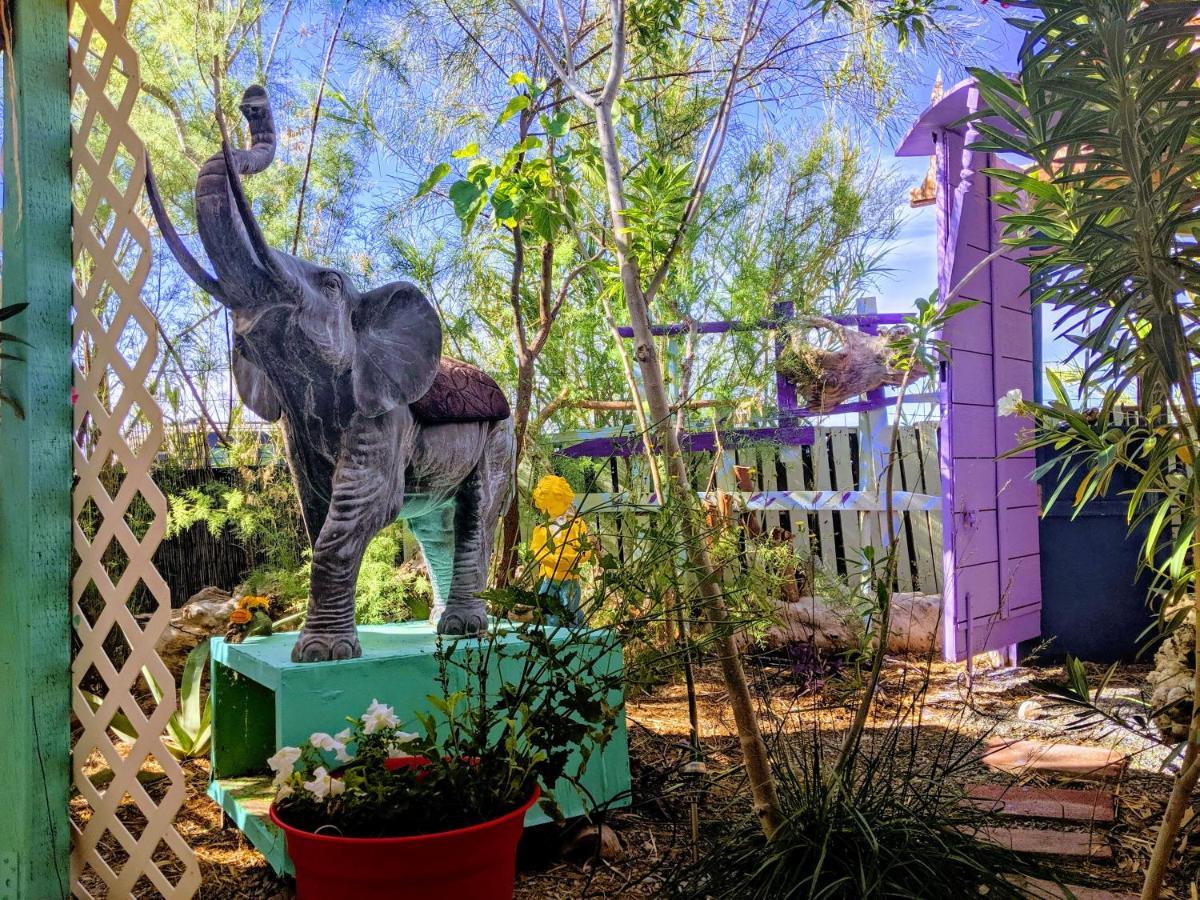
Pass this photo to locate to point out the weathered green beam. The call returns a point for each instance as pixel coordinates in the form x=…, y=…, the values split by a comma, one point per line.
x=35, y=459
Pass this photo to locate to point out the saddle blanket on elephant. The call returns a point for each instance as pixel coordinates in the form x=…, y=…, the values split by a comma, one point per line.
x=461, y=393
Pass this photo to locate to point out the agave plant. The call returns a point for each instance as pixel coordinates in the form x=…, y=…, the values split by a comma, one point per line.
x=189, y=730
x=1105, y=108
x=5, y=338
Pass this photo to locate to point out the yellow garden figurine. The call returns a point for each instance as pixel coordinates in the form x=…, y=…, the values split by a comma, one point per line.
x=559, y=545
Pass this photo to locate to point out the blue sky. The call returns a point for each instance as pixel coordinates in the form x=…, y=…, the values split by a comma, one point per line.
x=912, y=257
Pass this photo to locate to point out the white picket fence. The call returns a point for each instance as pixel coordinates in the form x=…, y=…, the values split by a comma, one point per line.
x=820, y=492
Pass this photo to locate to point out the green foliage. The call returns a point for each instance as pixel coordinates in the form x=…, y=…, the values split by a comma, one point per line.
x=286, y=586
x=1108, y=213
x=189, y=730
x=257, y=503
x=910, y=19
x=656, y=195
x=483, y=747
x=386, y=591
x=895, y=826
x=1109, y=204
x=922, y=347
x=653, y=24
x=530, y=186
x=1093, y=706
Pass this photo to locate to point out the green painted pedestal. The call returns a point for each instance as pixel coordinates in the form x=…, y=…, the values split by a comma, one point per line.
x=263, y=701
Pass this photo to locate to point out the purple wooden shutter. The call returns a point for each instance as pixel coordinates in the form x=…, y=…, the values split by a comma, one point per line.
x=992, y=595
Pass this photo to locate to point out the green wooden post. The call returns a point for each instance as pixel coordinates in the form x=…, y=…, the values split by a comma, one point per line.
x=35, y=452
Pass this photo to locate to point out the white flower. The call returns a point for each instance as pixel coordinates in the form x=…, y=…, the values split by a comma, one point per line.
x=324, y=784
x=402, y=737
x=344, y=736
x=323, y=741
x=1010, y=403
x=283, y=762
x=378, y=716
x=284, y=791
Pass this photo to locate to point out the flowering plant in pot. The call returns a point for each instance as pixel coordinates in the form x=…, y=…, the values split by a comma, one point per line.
x=375, y=810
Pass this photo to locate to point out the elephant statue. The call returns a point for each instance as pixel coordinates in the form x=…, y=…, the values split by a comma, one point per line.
x=378, y=425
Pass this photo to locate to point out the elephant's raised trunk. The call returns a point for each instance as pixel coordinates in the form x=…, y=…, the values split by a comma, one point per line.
x=256, y=107
x=236, y=245
x=234, y=240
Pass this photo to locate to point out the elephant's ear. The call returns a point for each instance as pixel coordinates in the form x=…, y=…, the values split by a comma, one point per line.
x=397, y=348
x=255, y=388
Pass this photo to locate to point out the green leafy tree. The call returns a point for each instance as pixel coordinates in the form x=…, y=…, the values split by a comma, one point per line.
x=1105, y=108
x=642, y=275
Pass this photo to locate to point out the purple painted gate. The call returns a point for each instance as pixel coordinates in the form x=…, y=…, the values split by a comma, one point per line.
x=990, y=559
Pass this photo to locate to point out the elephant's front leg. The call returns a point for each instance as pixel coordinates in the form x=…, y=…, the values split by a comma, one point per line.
x=367, y=492
x=465, y=612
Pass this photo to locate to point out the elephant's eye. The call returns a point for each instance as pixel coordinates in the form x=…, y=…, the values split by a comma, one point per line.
x=331, y=283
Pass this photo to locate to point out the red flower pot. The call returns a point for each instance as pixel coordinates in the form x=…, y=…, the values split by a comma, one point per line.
x=478, y=862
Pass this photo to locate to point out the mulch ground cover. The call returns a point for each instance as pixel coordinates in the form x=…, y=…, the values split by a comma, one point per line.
x=656, y=831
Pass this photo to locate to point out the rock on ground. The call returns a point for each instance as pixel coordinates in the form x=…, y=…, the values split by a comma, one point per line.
x=592, y=840
x=915, y=625
x=206, y=613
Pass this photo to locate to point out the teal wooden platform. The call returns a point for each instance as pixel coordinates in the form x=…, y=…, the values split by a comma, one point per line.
x=263, y=701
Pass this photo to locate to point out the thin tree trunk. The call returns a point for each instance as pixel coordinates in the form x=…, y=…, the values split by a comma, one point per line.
x=754, y=749
x=512, y=516
x=1180, y=802
x=511, y=534
x=636, y=398
x=1189, y=772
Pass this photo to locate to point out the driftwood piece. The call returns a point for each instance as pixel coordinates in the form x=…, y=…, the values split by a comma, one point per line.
x=826, y=378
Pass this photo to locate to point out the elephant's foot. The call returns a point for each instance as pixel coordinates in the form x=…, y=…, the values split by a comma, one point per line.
x=318, y=646
x=467, y=617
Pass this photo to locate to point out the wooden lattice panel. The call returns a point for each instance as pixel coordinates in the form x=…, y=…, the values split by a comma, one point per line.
x=125, y=842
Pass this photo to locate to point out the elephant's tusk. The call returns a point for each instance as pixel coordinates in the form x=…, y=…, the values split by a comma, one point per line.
x=187, y=262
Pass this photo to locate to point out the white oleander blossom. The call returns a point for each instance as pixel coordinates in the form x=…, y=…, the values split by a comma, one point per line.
x=324, y=785
x=283, y=763
x=323, y=741
x=1010, y=403
x=378, y=716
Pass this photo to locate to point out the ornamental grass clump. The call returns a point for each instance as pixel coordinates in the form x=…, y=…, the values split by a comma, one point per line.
x=892, y=824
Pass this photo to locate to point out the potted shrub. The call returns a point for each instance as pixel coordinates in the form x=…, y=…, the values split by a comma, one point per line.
x=377, y=811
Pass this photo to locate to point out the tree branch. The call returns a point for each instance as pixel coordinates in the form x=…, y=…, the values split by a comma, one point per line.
x=266, y=74
x=177, y=118
x=312, y=134
x=711, y=152
x=564, y=76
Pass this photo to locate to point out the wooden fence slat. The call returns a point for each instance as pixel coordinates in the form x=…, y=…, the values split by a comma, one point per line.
x=768, y=479
x=793, y=467
x=843, y=473
x=823, y=481
x=927, y=435
x=916, y=525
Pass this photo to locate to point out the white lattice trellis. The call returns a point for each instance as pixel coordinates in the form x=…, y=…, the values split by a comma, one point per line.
x=125, y=841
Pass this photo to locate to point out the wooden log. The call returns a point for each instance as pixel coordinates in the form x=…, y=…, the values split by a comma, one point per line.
x=1075, y=760
x=1039, y=889
x=1044, y=803
x=1044, y=842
